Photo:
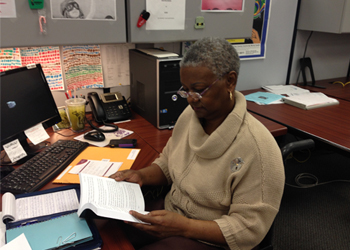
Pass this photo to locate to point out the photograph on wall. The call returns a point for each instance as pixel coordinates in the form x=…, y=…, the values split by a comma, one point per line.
x=255, y=46
x=84, y=9
x=222, y=5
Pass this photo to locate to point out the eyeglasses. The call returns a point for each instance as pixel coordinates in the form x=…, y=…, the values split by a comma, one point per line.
x=70, y=6
x=194, y=95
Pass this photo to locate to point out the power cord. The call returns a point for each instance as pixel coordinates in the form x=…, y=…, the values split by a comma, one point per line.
x=306, y=45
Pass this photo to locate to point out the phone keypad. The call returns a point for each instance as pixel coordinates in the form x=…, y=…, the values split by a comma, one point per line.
x=115, y=112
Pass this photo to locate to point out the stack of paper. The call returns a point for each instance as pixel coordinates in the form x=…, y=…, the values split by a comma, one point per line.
x=310, y=100
x=263, y=98
x=289, y=90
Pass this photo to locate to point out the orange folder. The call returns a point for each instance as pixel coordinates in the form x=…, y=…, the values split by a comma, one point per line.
x=125, y=155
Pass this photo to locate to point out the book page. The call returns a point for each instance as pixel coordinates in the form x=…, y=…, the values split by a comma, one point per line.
x=39, y=205
x=45, y=204
x=8, y=207
x=109, y=198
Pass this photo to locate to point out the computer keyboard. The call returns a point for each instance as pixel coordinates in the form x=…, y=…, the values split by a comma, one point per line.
x=43, y=167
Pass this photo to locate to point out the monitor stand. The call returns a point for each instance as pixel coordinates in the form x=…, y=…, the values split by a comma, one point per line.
x=305, y=62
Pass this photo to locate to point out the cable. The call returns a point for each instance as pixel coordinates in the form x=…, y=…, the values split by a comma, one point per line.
x=306, y=45
x=301, y=176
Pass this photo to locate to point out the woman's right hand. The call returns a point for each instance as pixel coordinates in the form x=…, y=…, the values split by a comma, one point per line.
x=129, y=176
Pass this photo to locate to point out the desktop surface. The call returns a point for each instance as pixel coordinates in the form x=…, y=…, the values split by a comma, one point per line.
x=328, y=124
x=151, y=141
x=333, y=88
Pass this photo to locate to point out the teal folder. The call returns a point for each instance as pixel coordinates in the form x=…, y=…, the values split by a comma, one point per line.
x=61, y=232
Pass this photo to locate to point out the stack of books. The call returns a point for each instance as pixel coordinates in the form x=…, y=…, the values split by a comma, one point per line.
x=310, y=100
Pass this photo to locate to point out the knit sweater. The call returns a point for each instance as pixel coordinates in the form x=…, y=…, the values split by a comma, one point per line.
x=235, y=176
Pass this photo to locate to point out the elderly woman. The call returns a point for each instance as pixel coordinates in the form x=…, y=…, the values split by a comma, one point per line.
x=224, y=167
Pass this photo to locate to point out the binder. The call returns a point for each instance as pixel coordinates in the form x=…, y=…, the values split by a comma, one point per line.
x=61, y=232
x=94, y=243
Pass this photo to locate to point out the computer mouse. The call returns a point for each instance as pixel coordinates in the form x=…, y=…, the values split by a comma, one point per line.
x=94, y=136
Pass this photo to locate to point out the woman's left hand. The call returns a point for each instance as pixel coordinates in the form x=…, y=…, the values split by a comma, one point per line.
x=162, y=223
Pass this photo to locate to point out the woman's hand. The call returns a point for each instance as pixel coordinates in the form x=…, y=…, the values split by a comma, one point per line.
x=162, y=223
x=151, y=175
x=129, y=176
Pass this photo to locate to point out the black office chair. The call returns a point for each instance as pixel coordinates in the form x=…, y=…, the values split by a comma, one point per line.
x=286, y=150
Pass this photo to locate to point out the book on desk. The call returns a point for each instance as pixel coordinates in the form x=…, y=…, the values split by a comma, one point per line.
x=310, y=100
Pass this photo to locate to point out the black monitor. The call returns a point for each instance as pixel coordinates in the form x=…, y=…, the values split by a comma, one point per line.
x=26, y=100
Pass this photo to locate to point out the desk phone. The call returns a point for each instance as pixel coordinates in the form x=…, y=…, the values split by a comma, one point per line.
x=109, y=107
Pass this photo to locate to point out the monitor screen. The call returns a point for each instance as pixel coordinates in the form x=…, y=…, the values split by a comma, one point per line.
x=26, y=100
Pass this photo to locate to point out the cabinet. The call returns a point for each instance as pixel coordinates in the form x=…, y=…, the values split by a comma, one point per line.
x=331, y=16
x=220, y=24
x=24, y=30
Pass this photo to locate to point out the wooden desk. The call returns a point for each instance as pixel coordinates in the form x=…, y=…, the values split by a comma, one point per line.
x=151, y=141
x=333, y=90
x=328, y=124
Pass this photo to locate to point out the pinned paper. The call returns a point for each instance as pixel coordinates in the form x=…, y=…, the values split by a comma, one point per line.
x=14, y=150
x=37, y=134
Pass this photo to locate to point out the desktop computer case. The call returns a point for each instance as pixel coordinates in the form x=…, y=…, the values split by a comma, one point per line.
x=153, y=86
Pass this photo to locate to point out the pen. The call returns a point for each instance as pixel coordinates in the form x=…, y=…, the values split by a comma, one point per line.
x=67, y=95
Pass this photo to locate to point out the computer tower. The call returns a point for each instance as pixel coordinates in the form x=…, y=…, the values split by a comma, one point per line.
x=154, y=83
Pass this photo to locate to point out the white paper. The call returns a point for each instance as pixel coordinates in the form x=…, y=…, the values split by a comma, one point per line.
x=104, y=10
x=121, y=133
x=41, y=205
x=133, y=154
x=37, y=134
x=166, y=15
x=115, y=59
x=98, y=168
x=289, y=90
x=19, y=243
x=8, y=9
x=14, y=150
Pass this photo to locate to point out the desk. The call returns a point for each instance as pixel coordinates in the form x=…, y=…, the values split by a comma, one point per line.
x=333, y=90
x=328, y=124
x=151, y=141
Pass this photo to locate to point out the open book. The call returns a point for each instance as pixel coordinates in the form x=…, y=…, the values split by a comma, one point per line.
x=109, y=198
x=38, y=205
x=310, y=100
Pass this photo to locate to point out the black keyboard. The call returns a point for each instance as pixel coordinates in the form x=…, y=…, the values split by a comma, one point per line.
x=42, y=168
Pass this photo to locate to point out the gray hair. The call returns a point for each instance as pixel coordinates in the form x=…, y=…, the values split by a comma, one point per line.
x=215, y=53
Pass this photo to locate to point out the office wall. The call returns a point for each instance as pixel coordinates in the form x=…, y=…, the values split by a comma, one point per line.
x=329, y=53
x=273, y=69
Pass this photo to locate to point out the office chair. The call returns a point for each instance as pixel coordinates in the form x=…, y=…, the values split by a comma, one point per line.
x=286, y=150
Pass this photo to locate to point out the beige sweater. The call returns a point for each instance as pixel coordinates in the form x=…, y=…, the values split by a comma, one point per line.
x=207, y=185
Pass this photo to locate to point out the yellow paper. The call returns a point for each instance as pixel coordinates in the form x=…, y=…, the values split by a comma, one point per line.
x=125, y=155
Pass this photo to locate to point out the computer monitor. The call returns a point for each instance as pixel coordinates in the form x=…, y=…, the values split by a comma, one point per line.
x=26, y=100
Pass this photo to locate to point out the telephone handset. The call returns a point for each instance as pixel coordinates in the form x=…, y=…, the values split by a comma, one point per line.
x=109, y=107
